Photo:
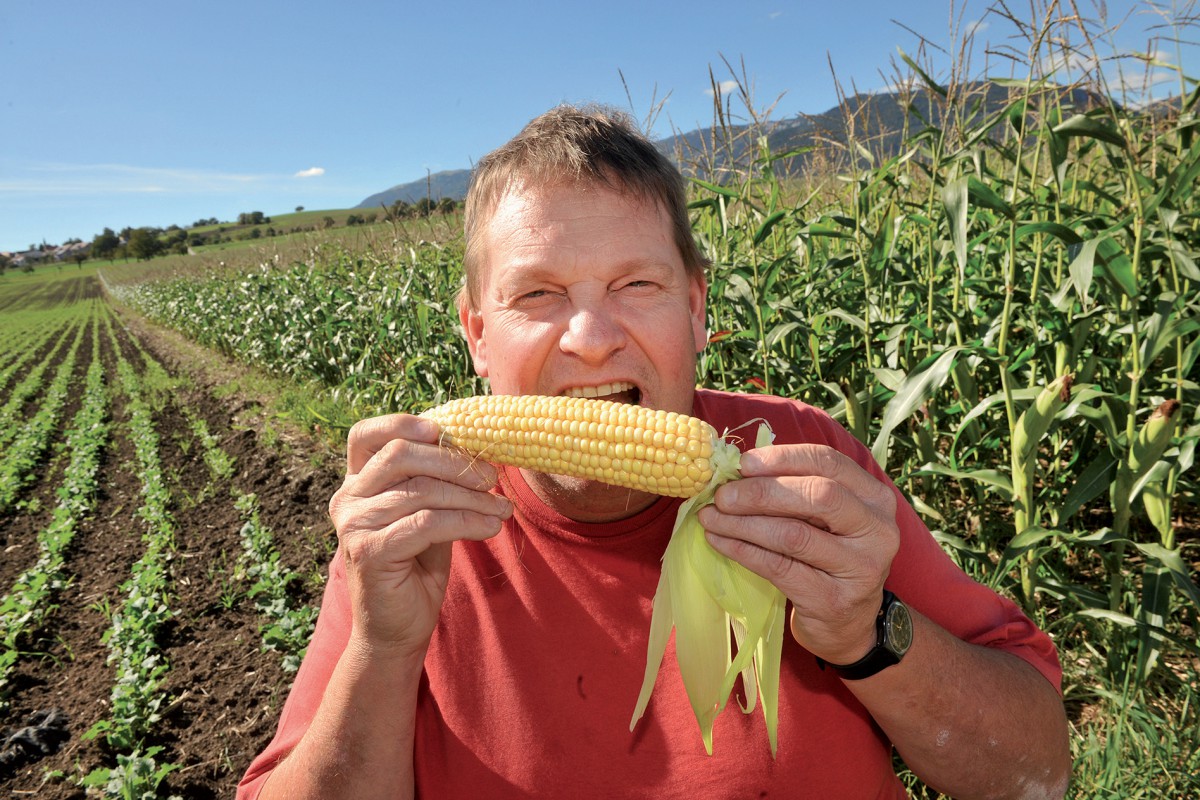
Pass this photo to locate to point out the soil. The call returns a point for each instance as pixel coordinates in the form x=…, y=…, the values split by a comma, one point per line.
x=225, y=691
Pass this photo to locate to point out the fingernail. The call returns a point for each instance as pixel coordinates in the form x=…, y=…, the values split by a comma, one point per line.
x=750, y=461
x=427, y=429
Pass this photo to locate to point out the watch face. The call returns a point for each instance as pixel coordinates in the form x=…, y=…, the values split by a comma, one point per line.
x=899, y=630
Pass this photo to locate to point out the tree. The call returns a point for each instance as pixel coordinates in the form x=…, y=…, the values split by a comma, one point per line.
x=252, y=218
x=144, y=244
x=299, y=209
x=104, y=245
x=446, y=205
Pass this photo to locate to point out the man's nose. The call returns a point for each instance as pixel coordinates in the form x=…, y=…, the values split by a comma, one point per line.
x=592, y=336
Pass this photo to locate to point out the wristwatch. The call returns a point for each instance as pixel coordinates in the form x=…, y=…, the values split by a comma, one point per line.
x=893, y=636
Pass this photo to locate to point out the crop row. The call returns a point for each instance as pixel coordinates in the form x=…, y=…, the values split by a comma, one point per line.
x=31, y=384
x=286, y=625
x=27, y=603
x=31, y=439
x=22, y=349
x=377, y=334
x=137, y=700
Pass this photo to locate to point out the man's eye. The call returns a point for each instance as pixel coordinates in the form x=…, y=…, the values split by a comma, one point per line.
x=536, y=295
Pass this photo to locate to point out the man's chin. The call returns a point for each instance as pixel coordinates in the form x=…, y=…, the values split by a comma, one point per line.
x=586, y=500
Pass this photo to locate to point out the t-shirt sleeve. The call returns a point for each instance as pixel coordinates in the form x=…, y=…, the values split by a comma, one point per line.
x=328, y=641
x=927, y=579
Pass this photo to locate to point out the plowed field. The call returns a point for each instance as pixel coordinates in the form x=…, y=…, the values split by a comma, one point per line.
x=223, y=691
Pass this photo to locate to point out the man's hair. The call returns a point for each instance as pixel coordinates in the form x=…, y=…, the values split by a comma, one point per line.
x=574, y=146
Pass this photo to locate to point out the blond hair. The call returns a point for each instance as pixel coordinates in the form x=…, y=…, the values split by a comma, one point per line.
x=573, y=145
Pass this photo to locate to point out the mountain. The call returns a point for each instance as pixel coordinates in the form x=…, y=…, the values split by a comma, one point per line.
x=880, y=122
x=450, y=183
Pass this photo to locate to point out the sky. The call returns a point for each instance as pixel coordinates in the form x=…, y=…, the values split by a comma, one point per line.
x=130, y=113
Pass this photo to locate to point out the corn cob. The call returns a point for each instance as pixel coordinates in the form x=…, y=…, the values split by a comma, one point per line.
x=650, y=450
x=1147, y=448
x=701, y=594
x=1152, y=439
x=1033, y=424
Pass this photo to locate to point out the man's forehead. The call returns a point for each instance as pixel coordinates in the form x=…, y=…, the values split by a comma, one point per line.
x=529, y=196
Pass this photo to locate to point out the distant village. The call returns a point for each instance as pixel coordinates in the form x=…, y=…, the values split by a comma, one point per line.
x=74, y=250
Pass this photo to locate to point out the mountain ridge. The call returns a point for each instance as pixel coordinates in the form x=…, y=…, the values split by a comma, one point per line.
x=879, y=119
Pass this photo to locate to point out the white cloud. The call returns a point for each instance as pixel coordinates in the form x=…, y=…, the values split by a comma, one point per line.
x=311, y=172
x=726, y=88
x=45, y=178
x=975, y=27
x=1065, y=66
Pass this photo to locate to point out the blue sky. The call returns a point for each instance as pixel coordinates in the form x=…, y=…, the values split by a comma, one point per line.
x=131, y=113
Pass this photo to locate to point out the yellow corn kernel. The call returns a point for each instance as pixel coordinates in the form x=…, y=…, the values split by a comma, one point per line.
x=562, y=435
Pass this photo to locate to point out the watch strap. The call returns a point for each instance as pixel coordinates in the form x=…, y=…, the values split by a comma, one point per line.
x=878, y=658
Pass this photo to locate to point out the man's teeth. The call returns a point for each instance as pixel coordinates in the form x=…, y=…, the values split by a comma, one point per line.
x=603, y=390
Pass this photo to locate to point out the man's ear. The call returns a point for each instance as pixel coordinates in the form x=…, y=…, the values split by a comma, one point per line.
x=472, y=325
x=698, y=302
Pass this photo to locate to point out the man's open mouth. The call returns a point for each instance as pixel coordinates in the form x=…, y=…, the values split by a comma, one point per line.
x=621, y=392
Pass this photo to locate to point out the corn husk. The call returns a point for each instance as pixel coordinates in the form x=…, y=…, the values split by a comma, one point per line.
x=728, y=621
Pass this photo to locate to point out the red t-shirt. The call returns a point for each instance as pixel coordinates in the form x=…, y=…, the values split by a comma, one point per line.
x=537, y=660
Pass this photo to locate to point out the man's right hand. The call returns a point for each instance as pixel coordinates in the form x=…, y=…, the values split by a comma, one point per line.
x=404, y=500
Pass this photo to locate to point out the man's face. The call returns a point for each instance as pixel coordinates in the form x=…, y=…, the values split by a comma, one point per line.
x=583, y=292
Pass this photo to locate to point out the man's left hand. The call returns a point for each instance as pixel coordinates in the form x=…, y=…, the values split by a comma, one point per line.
x=813, y=522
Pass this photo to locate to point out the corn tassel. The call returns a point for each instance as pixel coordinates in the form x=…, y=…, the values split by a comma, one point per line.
x=702, y=595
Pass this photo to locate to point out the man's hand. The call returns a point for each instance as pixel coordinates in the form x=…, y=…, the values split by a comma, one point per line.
x=813, y=522
x=823, y=530
x=404, y=500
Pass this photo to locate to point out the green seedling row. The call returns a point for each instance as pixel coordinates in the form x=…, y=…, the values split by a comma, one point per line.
x=28, y=388
x=137, y=702
x=24, y=608
x=20, y=350
x=287, y=626
x=25, y=451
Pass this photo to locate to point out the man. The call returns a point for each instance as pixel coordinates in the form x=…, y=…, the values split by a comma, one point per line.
x=484, y=631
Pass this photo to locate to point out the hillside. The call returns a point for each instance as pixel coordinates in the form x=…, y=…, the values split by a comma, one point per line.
x=451, y=183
